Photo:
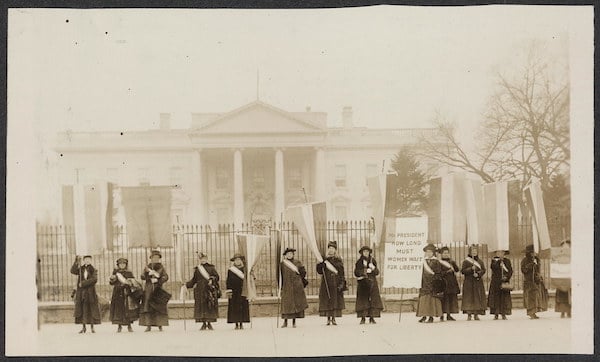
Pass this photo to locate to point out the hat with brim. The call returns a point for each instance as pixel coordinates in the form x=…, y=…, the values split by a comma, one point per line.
x=289, y=250
x=122, y=261
x=567, y=241
x=365, y=248
x=506, y=252
x=155, y=252
x=202, y=255
x=237, y=256
x=430, y=247
x=443, y=248
x=87, y=256
x=529, y=248
x=332, y=244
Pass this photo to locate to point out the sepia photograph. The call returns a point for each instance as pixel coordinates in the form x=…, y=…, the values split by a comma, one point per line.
x=380, y=180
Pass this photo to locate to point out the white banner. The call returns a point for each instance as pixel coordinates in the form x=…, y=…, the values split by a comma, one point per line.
x=404, y=242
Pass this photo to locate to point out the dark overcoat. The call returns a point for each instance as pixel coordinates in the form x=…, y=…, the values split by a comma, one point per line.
x=293, y=297
x=154, y=310
x=427, y=278
x=124, y=304
x=450, y=277
x=368, y=299
x=87, y=309
x=331, y=292
x=473, y=297
x=206, y=306
x=499, y=300
x=237, y=309
x=535, y=294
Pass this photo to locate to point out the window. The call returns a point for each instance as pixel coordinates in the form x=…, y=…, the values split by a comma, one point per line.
x=258, y=177
x=340, y=175
x=370, y=171
x=222, y=178
x=175, y=176
x=143, y=176
x=295, y=178
x=341, y=213
x=112, y=175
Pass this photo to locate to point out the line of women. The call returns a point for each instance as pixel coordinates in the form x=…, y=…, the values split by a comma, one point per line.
x=439, y=285
x=438, y=295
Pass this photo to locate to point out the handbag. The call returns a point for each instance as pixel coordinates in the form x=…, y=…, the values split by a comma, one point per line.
x=506, y=286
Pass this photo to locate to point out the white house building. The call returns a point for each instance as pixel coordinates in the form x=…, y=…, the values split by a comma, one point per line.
x=249, y=163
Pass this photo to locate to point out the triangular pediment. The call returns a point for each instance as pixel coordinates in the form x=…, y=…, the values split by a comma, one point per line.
x=259, y=117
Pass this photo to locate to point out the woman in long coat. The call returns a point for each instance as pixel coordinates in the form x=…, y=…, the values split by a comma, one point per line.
x=87, y=310
x=238, y=311
x=499, y=300
x=429, y=305
x=206, y=292
x=473, y=298
x=451, y=291
x=368, y=300
x=293, y=298
x=535, y=295
x=124, y=304
x=154, y=308
x=333, y=285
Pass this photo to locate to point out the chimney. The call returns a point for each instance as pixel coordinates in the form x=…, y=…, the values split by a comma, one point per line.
x=347, y=117
x=165, y=121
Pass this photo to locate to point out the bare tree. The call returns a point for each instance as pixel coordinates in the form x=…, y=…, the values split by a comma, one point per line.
x=524, y=132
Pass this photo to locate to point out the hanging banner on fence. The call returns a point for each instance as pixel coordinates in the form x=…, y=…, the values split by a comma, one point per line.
x=250, y=246
x=148, y=214
x=447, y=208
x=404, y=242
x=303, y=218
x=500, y=226
x=560, y=268
x=533, y=194
x=89, y=219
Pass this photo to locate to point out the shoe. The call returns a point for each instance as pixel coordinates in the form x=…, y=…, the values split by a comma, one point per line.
x=148, y=329
x=92, y=328
x=476, y=317
x=372, y=320
x=568, y=315
x=533, y=316
x=241, y=326
x=333, y=322
x=293, y=324
x=422, y=319
x=119, y=329
x=129, y=329
x=160, y=328
x=469, y=317
x=284, y=324
x=237, y=326
x=441, y=318
x=328, y=322
x=503, y=317
x=362, y=320
x=450, y=318
x=203, y=326
x=82, y=330
x=496, y=317
x=209, y=326
x=430, y=320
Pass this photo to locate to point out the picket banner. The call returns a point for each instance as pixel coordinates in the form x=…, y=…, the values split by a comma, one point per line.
x=377, y=191
x=404, y=242
x=303, y=218
x=560, y=268
x=250, y=245
x=88, y=217
x=533, y=194
x=148, y=214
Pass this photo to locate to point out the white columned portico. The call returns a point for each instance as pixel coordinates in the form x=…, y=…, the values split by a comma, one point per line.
x=279, y=184
x=238, y=188
x=198, y=188
x=319, y=176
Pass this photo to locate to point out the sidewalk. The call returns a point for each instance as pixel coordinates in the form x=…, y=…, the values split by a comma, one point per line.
x=550, y=334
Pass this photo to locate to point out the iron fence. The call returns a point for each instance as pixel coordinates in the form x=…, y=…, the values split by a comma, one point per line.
x=56, y=256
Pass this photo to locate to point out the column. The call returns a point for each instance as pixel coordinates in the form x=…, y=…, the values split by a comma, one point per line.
x=320, y=175
x=279, y=184
x=238, y=188
x=198, y=189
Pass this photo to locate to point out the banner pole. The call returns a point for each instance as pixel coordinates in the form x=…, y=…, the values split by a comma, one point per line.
x=401, y=299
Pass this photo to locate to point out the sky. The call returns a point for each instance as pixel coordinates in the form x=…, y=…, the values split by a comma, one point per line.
x=117, y=69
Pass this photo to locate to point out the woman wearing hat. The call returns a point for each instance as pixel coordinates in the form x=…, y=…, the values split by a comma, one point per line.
x=473, y=298
x=535, y=295
x=293, y=298
x=333, y=285
x=499, y=299
x=124, y=306
x=87, y=310
x=206, y=292
x=451, y=290
x=563, y=295
x=368, y=300
x=238, y=311
x=429, y=305
x=154, y=308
